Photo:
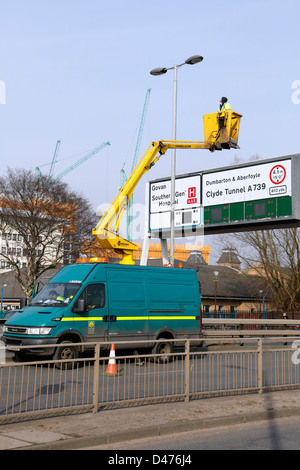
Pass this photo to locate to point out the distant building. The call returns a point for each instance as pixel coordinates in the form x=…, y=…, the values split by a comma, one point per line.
x=13, y=295
x=229, y=258
x=225, y=289
x=181, y=251
x=196, y=257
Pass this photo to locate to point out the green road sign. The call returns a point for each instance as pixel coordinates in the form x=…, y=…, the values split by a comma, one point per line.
x=248, y=196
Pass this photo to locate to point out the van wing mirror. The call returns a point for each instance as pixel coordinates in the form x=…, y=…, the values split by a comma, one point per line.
x=23, y=302
x=80, y=306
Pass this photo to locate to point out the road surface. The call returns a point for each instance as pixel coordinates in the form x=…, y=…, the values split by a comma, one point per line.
x=279, y=434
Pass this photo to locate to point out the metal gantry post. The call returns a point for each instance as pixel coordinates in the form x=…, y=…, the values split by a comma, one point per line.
x=260, y=365
x=96, y=378
x=187, y=371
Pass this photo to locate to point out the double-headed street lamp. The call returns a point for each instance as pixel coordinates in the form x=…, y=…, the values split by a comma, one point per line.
x=195, y=59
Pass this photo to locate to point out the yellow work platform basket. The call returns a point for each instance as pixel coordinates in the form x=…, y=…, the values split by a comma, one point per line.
x=221, y=130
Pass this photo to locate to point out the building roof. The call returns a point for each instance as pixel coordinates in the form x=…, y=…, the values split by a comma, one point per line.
x=13, y=289
x=231, y=284
x=196, y=257
x=229, y=258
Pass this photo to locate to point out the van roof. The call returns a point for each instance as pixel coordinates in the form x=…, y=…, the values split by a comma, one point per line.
x=79, y=272
x=74, y=272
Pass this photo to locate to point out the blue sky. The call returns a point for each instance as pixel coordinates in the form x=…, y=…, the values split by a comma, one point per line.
x=79, y=71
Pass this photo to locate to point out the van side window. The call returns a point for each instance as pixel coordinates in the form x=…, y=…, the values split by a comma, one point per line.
x=94, y=296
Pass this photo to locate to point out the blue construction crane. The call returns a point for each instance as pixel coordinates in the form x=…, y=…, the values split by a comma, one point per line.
x=54, y=159
x=83, y=159
x=37, y=169
x=123, y=178
x=38, y=172
x=74, y=165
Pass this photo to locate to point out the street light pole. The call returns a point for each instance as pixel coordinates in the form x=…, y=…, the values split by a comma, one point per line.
x=173, y=170
x=216, y=273
x=263, y=303
x=264, y=308
x=195, y=59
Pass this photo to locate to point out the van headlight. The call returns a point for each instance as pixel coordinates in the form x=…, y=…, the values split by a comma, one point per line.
x=39, y=331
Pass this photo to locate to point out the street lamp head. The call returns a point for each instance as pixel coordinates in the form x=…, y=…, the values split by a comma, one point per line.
x=159, y=71
x=216, y=273
x=194, y=59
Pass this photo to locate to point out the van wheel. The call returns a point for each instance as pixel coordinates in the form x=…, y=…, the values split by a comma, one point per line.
x=19, y=357
x=165, y=350
x=65, y=352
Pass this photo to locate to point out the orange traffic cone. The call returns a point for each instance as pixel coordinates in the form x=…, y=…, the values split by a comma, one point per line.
x=111, y=367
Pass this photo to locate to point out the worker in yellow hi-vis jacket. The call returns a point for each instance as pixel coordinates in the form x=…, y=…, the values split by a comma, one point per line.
x=224, y=105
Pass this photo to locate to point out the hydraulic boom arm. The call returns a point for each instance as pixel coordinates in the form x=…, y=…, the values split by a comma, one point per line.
x=103, y=231
x=106, y=231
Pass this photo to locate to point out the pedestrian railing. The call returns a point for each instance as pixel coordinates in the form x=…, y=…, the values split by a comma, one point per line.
x=38, y=388
x=243, y=327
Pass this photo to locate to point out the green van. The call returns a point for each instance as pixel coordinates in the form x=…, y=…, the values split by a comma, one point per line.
x=97, y=302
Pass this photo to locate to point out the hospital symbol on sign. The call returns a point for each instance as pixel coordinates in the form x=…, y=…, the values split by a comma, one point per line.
x=192, y=199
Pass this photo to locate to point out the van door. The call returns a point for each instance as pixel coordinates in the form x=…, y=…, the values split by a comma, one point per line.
x=128, y=312
x=174, y=302
x=90, y=323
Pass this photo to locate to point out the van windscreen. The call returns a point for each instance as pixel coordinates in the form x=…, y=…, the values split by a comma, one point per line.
x=56, y=294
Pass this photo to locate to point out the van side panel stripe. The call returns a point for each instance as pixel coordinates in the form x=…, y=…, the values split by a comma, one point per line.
x=131, y=318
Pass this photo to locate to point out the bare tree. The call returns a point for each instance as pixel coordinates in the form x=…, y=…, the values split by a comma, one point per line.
x=49, y=220
x=275, y=256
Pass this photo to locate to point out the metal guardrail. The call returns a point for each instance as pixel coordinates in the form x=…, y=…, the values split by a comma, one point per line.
x=47, y=388
x=243, y=327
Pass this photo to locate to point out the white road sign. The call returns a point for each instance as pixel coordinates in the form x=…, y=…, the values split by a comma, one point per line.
x=187, y=203
x=260, y=181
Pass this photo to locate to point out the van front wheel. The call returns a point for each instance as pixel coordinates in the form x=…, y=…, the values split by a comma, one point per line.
x=64, y=352
x=164, y=349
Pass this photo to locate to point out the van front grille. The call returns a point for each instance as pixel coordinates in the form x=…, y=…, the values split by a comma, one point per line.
x=19, y=330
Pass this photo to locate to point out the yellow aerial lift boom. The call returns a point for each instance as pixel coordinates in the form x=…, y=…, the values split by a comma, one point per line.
x=218, y=134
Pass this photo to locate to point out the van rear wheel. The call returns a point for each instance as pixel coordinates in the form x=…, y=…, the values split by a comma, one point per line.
x=64, y=352
x=165, y=349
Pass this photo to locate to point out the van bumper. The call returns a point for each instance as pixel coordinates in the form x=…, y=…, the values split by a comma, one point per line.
x=17, y=344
